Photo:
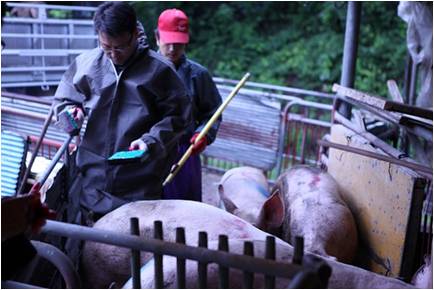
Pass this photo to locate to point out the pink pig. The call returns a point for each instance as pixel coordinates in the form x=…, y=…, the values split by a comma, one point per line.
x=105, y=264
x=342, y=276
x=306, y=202
x=243, y=191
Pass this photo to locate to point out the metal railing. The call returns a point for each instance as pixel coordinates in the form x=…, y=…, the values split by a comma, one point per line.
x=317, y=271
x=291, y=136
x=38, y=50
x=305, y=118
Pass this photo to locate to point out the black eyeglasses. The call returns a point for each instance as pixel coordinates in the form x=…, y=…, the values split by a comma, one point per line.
x=119, y=49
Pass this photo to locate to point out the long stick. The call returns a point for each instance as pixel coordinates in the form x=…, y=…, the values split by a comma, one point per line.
x=178, y=166
x=35, y=151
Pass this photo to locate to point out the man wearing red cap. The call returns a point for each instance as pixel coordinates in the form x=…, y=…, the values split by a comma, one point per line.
x=172, y=37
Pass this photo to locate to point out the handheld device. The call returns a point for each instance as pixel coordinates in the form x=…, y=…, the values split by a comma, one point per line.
x=125, y=157
x=67, y=123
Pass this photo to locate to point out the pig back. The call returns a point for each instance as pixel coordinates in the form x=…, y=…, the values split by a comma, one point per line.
x=104, y=264
x=342, y=276
x=315, y=210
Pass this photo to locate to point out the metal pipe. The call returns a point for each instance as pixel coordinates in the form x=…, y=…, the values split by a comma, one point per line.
x=158, y=257
x=277, y=88
x=285, y=117
x=223, y=245
x=298, y=250
x=414, y=166
x=47, y=21
x=55, y=159
x=159, y=247
x=180, y=262
x=49, y=36
x=389, y=150
x=352, y=28
x=33, y=69
x=270, y=254
x=407, y=78
x=62, y=263
x=135, y=255
x=283, y=123
x=413, y=83
x=58, y=7
x=202, y=267
x=296, y=117
x=41, y=100
x=43, y=52
x=31, y=115
x=248, y=277
x=29, y=84
x=35, y=152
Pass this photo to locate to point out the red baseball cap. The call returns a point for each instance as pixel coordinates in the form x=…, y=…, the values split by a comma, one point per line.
x=173, y=26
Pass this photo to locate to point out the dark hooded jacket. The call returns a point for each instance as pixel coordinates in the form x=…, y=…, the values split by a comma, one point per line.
x=146, y=100
x=205, y=97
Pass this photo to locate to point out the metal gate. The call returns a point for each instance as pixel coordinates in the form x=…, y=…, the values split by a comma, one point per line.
x=302, y=272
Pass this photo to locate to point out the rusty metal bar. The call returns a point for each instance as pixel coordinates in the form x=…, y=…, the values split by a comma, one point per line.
x=180, y=262
x=202, y=267
x=135, y=255
x=415, y=166
x=270, y=254
x=223, y=245
x=298, y=251
x=158, y=258
x=248, y=277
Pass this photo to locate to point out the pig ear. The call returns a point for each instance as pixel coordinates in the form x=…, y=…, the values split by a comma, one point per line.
x=272, y=213
x=228, y=204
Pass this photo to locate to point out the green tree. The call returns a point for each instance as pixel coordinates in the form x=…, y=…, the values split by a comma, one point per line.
x=297, y=44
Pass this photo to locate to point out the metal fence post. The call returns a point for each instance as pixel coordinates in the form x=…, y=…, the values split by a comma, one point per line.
x=202, y=267
x=135, y=255
x=223, y=245
x=270, y=254
x=180, y=262
x=248, y=277
x=158, y=258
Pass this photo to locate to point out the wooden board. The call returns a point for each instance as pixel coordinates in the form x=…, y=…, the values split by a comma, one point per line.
x=380, y=196
x=381, y=103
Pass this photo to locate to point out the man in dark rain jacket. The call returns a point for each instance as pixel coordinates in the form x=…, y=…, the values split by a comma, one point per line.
x=133, y=99
x=172, y=37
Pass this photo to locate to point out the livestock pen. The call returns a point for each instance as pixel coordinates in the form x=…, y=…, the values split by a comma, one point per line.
x=266, y=126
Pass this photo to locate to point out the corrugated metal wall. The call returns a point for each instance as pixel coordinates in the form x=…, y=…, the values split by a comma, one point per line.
x=13, y=149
